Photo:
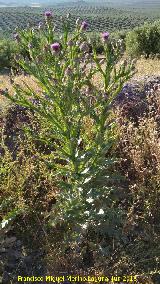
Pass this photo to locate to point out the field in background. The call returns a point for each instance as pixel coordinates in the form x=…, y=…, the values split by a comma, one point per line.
x=112, y=3
x=100, y=16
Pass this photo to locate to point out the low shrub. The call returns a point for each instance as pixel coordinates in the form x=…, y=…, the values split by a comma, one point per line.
x=139, y=152
x=144, y=40
x=8, y=49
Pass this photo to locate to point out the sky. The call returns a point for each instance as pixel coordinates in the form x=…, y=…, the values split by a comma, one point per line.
x=118, y=2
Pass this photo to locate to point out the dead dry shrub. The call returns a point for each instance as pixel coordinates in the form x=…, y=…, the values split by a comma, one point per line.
x=139, y=152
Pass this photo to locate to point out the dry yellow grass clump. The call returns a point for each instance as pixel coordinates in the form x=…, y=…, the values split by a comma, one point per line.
x=5, y=82
x=144, y=67
x=148, y=67
x=20, y=79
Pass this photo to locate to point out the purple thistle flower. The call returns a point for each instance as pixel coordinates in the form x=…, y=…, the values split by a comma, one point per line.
x=105, y=36
x=48, y=14
x=55, y=47
x=84, y=25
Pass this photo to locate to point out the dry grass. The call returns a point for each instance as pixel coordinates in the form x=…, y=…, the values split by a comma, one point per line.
x=147, y=67
x=21, y=80
x=144, y=67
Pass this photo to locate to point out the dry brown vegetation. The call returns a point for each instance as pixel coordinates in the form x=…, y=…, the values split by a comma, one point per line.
x=30, y=185
x=144, y=67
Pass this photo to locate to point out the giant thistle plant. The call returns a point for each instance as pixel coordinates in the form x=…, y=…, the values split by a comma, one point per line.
x=77, y=111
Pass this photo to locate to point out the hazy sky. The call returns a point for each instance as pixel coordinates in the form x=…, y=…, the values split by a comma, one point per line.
x=51, y=2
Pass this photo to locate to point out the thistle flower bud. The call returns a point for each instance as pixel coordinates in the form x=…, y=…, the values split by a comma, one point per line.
x=134, y=61
x=68, y=15
x=54, y=80
x=11, y=79
x=84, y=67
x=88, y=90
x=46, y=48
x=39, y=59
x=105, y=37
x=84, y=25
x=17, y=37
x=3, y=92
x=77, y=60
x=35, y=102
x=55, y=47
x=40, y=25
x=120, y=41
x=34, y=157
x=124, y=62
x=133, y=67
x=30, y=46
x=104, y=96
x=48, y=14
x=78, y=43
x=91, y=41
x=28, y=25
x=54, y=28
x=87, y=56
x=70, y=43
x=78, y=21
x=68, y=72
x=27, y=60
x=102, y=61
x=84, y=47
